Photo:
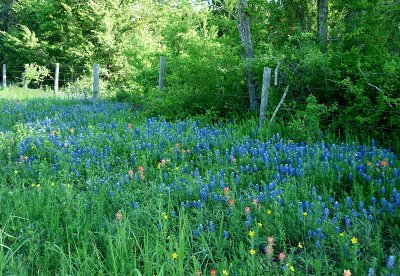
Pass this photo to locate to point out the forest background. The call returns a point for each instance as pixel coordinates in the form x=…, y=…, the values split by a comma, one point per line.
x=340, y=58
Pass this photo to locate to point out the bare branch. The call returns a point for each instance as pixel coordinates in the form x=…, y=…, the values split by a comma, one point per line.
x=375, y=87
x=279, y=105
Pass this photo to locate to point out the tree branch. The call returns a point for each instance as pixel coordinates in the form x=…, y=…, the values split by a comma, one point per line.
x=375, y=87
x=279, y=105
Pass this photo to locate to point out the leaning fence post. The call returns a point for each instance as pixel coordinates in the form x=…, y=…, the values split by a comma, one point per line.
x=264, y=95
x=4, y=76
x=279, y=105
x=96, y=77
x=161, y=81
x=56, y=78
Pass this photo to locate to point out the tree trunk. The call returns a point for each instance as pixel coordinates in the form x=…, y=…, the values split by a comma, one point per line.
x=245, y=38
x=301, y=14
x=322, y=10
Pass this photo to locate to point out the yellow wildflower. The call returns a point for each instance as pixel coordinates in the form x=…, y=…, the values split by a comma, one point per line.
x=251, y=233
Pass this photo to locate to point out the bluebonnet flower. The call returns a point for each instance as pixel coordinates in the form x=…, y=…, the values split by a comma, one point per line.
x=350, y=177
x=203, y=194
x=197, y=204
x=349, y=203
x=336, y=205
x=326, y=213
x=347, y=220
x=390, y=262
x=211, y=227
x=225, y=234
x=134, y=205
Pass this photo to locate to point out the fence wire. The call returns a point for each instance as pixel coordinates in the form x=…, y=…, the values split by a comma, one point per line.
x=76, y=81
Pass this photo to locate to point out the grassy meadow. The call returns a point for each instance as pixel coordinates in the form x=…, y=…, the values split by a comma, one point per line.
x=98, y=189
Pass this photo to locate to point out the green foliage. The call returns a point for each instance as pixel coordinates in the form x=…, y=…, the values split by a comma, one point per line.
x=203, y=73
x=34, y=74
x=306, y=124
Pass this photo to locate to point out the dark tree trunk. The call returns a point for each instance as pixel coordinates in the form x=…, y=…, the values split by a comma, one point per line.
x=322, y=10
x=245, y=38
x=301, y=14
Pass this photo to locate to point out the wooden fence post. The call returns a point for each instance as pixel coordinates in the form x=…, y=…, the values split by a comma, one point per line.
x=4, y=76
x=264, y=95
x=161, y=81
x=96, y=78
x=56, y=78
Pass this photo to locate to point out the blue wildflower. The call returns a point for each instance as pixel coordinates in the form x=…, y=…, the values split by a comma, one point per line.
x=390, y=262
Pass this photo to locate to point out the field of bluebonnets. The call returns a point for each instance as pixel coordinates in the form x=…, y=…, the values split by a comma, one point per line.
x=97, y=189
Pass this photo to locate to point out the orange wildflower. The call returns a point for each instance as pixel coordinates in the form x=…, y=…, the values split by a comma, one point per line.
x=213, y=272
x=384, y=163
x=271, y=240
x=226, y=191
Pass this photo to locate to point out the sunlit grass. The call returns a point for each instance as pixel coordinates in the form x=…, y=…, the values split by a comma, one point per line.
x=20, y=93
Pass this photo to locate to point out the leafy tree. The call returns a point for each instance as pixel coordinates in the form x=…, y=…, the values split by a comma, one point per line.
x=75, y=33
